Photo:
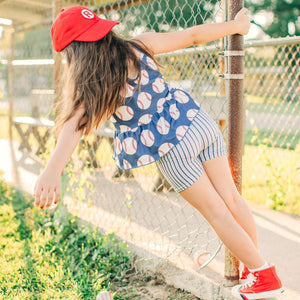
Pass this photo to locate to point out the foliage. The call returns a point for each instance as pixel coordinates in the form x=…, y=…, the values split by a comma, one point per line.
x=276, y=181
x=180, y=13
x=284, y=13
x=272, y=138
x=163, y=15
x=24, y=48
x=48, y=254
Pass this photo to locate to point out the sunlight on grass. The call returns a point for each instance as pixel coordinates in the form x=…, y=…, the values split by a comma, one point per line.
x=275, y=181
x=49, y=256
x=272, y=105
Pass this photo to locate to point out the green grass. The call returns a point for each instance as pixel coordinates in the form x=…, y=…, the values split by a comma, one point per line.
x=46, y=256
x=272, y=138
x=271, y=177
x=272, y=106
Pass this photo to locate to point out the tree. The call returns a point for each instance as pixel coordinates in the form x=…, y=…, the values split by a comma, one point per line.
x=286, y=21
x=165, y=15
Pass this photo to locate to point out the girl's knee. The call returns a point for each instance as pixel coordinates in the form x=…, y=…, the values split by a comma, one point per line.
x=218, y=213
x=221, y=216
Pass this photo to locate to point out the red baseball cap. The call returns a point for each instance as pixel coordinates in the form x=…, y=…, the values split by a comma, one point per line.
x=78, y=23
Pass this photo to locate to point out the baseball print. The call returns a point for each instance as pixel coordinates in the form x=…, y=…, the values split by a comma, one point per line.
x=129, y=145
x=130, y=91
x=164, y=148
x=125, y=113
x=124, y=128
x=160, y=104
x=158, y=85
x=144, y=77
x=126, y=164
x=145, y=119
x=181, y=96
x=118, y=146
x=174, y=111
x=191, y=113
x=151, y=63
x=180, y=131
x=163, y=126
x=147, y=138
x=145, y=160
x=152, y=120
x=144, y=100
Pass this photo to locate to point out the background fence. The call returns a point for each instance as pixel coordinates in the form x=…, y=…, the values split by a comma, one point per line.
x=139, y=205
x=271, y=160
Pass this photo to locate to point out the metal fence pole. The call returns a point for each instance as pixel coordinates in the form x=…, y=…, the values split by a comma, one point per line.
x=235, y=126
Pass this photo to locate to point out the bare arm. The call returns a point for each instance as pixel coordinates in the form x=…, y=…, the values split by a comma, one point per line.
x=47, y=187
x=199, y=34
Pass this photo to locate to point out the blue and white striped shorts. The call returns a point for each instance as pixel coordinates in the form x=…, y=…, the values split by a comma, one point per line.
x=182, y=165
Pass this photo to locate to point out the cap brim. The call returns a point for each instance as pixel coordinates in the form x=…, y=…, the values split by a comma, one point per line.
x=97, y=31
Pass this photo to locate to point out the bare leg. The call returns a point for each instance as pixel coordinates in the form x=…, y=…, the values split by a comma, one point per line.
x=218, y=172
x=203, y=196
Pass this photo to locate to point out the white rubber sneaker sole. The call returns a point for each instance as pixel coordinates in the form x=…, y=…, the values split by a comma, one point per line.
x=270, y=294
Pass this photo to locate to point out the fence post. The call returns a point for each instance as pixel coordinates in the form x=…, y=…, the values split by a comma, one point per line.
x=235, y=125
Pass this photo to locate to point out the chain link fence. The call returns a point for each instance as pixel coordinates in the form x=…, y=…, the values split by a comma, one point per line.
x=272, y=134
x=142, y=208
x=139, y=205
x=155, y=218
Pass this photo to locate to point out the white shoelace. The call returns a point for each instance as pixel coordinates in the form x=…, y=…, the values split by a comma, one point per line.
x=251, y=279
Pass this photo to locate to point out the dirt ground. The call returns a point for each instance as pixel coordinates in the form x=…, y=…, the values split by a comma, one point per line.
x=143, y=286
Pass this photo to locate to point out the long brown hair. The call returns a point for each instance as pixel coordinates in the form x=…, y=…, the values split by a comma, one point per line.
x=96, y=76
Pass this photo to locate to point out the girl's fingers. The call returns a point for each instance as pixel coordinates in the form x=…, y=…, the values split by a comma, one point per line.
x=49, y=198
x=37, y=195
x=46, y=197
x=242, y=11
x=43, y=198
x=37, y=199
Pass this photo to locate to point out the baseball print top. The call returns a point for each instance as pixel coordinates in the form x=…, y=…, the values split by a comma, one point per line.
x=152, y=120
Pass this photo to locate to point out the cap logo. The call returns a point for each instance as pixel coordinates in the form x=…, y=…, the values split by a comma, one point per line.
x=87, y=14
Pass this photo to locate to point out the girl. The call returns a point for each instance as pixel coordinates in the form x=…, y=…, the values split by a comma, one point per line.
x=108, y=77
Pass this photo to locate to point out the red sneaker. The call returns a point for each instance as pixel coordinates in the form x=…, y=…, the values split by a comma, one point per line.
x=244, y=275
x=262, y=284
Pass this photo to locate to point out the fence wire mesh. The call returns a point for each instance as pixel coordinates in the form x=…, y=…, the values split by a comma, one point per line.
x=273, y=124
x=139, y=205
x=143, y=209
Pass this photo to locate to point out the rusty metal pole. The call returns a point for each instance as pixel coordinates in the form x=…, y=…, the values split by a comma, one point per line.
x=235, y=125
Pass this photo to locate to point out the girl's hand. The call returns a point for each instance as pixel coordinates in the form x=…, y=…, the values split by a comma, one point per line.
x=47, y=188
x=242, y=21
